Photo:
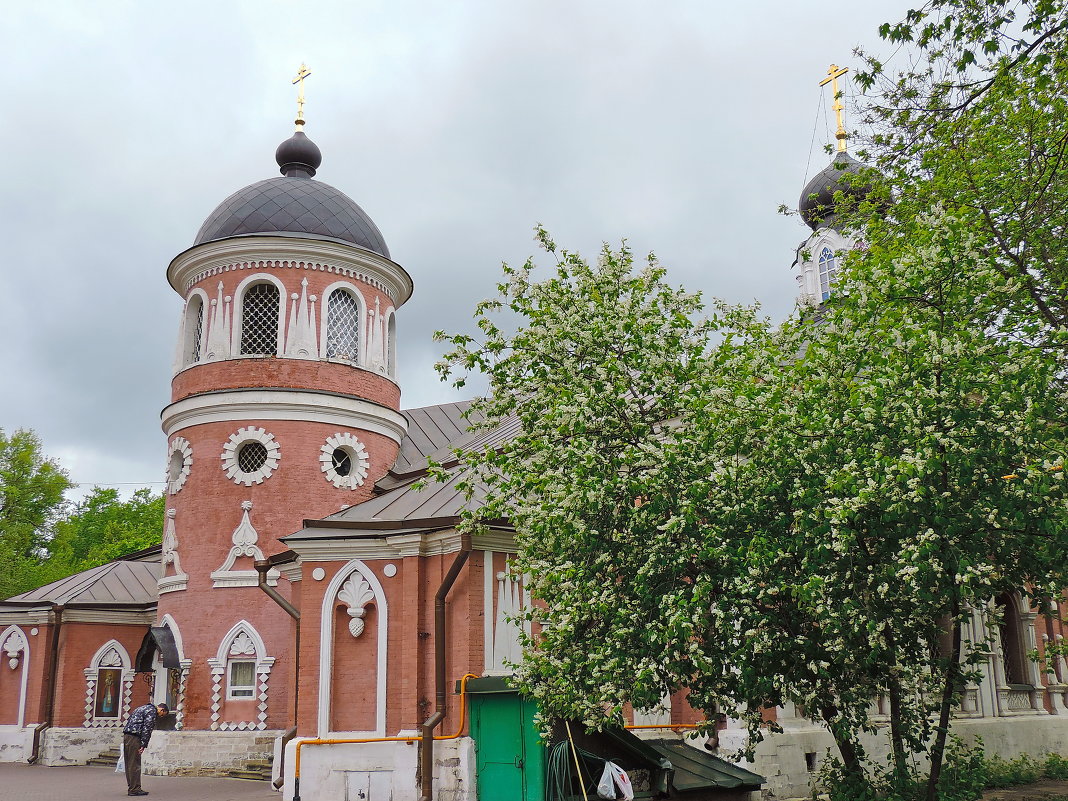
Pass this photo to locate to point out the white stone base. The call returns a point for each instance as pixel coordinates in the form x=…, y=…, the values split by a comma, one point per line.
x=385, y=770
x=76, y=746
x=16, y=743
x=781, y=758
x=205, y=753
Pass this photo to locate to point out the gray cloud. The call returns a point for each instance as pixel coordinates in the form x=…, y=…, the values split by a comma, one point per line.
x=680, y=126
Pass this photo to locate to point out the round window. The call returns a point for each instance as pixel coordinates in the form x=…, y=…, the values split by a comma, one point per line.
x=344, y=461
x=250, y=456
x=179, y=462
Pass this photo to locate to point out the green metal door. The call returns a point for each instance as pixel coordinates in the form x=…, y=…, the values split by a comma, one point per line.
x=510, y=762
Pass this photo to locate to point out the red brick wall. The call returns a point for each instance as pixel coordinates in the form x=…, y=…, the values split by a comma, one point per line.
x=78, y=642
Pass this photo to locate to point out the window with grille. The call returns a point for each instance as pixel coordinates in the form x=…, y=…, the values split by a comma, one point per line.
x=259, y=321
x=251, y=457
x=195, y=321
x=343, y=326
x=242, y=679
x=828, y=269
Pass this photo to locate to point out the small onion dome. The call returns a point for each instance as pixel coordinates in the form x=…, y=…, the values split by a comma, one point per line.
x=817, y=198
x=298, y=156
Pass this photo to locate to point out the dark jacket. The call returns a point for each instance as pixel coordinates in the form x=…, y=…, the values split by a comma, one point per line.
x=142, y=723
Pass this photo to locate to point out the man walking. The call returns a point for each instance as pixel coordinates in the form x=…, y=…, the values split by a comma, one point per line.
x=135, y=739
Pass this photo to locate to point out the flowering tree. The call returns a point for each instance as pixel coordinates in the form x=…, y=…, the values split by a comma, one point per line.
x=764, y=515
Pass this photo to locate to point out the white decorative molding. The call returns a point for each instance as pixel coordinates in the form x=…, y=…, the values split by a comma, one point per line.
x=326, y=646
x=169, y=557
x=357, y=595
x=284, y=404
x=239, y=304
x=506, y=647
x=240, y=640
x=110, y=655
x=323, y=545
x=358, y=461
x=324, y=323
x=242, y=645
x=179, y=463
x=13, y=643
x=232, y=450
x=245, y=539
x=289, y=253
x=13, y=646
x=300, y=341
x=217, y=346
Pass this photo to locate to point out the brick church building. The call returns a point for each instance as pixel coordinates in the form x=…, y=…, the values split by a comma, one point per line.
x=308, y=590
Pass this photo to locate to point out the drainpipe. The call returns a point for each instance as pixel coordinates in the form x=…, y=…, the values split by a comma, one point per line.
x=262, y=567
x=50, y=691
x=426, y=742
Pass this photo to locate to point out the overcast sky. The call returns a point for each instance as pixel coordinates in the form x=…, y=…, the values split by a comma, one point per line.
x=457, y=126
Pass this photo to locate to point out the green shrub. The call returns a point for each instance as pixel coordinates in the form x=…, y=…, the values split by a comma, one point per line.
x=1009, y=773
x=1056, y=767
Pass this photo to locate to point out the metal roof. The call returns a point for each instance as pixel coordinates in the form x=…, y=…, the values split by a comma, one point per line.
x=119, y=583
x=430, y=430
x=295, y=205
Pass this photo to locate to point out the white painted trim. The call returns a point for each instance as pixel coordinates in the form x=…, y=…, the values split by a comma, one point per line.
x=220, y=668
x=391, y=342
x=187, y=335
x=25, y=667
x=239, y=310
x=358, y=460
x=231, y=451
x=223, y=652
x=333, y=548
x=119, y=617
x=290, y=405
x=124, y=656
x=488, y=612
x=289, y=253
x=326, y=645
x=179, y=445
x=324, y=317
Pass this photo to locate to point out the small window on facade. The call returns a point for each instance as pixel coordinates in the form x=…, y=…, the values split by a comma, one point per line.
x=251, y=457
x=195, y=323
x=343, y=326
x=242, y=679
x=391, y=346
x=259, y=321
x=828, y=269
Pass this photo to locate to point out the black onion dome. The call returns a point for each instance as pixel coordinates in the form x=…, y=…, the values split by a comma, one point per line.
x=817, y=198
x=293, y=205
x=298, y=154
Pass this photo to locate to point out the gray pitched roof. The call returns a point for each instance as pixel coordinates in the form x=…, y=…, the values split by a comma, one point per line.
x=120, y=583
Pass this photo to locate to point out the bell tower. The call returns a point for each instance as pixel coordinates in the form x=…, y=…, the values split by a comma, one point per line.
x=284, y=406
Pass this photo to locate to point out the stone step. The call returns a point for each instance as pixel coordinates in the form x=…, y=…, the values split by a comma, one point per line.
x=258, y=764
x=253, y=775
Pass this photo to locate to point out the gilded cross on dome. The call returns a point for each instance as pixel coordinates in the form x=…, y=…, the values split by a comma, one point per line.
x=299, y=82
x=833, y=74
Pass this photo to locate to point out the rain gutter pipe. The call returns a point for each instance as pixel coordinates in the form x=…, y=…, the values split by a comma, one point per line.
x=50, y=694
x=262, y=567
x=426, y=745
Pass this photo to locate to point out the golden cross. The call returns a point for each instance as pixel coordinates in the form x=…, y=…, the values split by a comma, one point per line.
x=833, y=74
x=299, y=81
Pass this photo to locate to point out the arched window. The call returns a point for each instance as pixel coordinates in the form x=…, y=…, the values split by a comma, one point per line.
x=259, y=321
x=194, y=329
x=828, y=269
x=1010, y=627
x=343, y=326
x=391, y=345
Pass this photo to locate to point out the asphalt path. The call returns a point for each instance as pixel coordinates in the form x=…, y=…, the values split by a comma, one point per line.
x=22, y=782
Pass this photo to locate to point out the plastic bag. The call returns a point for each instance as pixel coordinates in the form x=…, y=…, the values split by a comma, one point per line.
x=622, y=780
x=605, y=787
x=121, y=766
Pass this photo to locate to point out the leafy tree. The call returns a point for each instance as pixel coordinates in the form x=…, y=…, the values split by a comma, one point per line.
x=31, y=501
x=805, y=513
x=103, y=527
x=977, y=122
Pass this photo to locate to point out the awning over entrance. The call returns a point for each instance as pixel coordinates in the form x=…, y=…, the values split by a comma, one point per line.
x=157, y=639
